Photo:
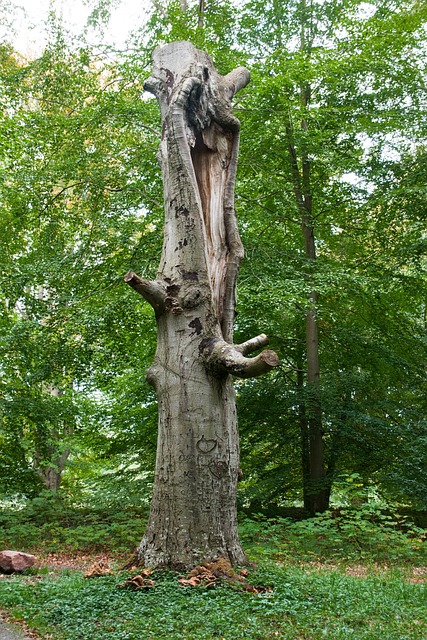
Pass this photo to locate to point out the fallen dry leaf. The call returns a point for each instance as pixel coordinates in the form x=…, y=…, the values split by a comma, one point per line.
x=211, y=573
x=98, y=569
x=140, y=581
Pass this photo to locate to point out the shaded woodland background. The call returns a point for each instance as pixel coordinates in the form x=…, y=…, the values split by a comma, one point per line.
x=334, y=117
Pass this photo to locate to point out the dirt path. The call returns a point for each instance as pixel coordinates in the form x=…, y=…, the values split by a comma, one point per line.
x=10, y=632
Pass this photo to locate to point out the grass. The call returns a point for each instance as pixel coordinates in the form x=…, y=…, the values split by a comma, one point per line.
x=347, y=574
x=304, y=603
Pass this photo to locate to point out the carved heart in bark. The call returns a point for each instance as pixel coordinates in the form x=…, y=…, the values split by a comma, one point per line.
x=218, y=468
x=206, y=446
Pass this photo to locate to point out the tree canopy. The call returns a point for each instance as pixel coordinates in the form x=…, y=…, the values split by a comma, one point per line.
x=334, y=118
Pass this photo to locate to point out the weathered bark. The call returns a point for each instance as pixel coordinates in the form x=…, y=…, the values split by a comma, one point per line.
x=193, y=509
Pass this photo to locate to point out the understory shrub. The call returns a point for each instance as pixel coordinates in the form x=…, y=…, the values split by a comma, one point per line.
x=52, y=522
x=365, y=533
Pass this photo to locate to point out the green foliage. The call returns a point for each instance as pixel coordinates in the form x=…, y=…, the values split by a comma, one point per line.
x=360, y=527
x=299, y=602
x=72, y=223
x=359, y=140
x=368, y=534
x=81, y=204
x=52, y=523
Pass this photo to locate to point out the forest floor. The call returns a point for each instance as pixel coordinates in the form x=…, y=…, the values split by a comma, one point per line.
x=292, y=600
x=56, y=563
x=9, y=632
x=358, y=574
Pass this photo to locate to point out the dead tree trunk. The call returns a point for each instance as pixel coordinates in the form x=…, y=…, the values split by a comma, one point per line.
x=193, y=509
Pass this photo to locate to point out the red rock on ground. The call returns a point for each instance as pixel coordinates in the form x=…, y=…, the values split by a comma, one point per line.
x=15, y=561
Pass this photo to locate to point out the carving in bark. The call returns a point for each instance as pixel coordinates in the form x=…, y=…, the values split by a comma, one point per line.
x=193, y=509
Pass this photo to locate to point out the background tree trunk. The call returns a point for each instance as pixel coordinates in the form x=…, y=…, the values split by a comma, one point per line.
x=316, y=493
x=51, y=473
x=193, y=510
x=316, y=496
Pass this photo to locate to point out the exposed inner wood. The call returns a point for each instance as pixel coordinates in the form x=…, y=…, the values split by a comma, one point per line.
x=211, y=156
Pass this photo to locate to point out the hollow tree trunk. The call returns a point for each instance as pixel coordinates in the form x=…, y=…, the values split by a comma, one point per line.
x=193, y=509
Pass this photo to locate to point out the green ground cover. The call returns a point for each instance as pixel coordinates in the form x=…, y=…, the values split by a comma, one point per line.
x=354, y=573
x=302, y=602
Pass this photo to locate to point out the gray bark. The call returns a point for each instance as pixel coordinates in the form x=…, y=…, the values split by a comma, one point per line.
x=50, y=460
x=193, y=511
x=51, y=473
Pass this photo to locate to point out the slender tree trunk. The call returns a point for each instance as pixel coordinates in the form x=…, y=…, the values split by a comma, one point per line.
x=193, y=509
x=201, y=20
x=302, y=417
x=51, y=473
x=316, y=498
x=50, y=460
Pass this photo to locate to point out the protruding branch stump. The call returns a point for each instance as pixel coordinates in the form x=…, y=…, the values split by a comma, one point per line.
x=193, y=509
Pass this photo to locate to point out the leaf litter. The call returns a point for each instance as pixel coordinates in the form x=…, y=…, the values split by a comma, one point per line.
x=207, y=575
x=98, y=569
x=210, y=574
x=141, y=581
